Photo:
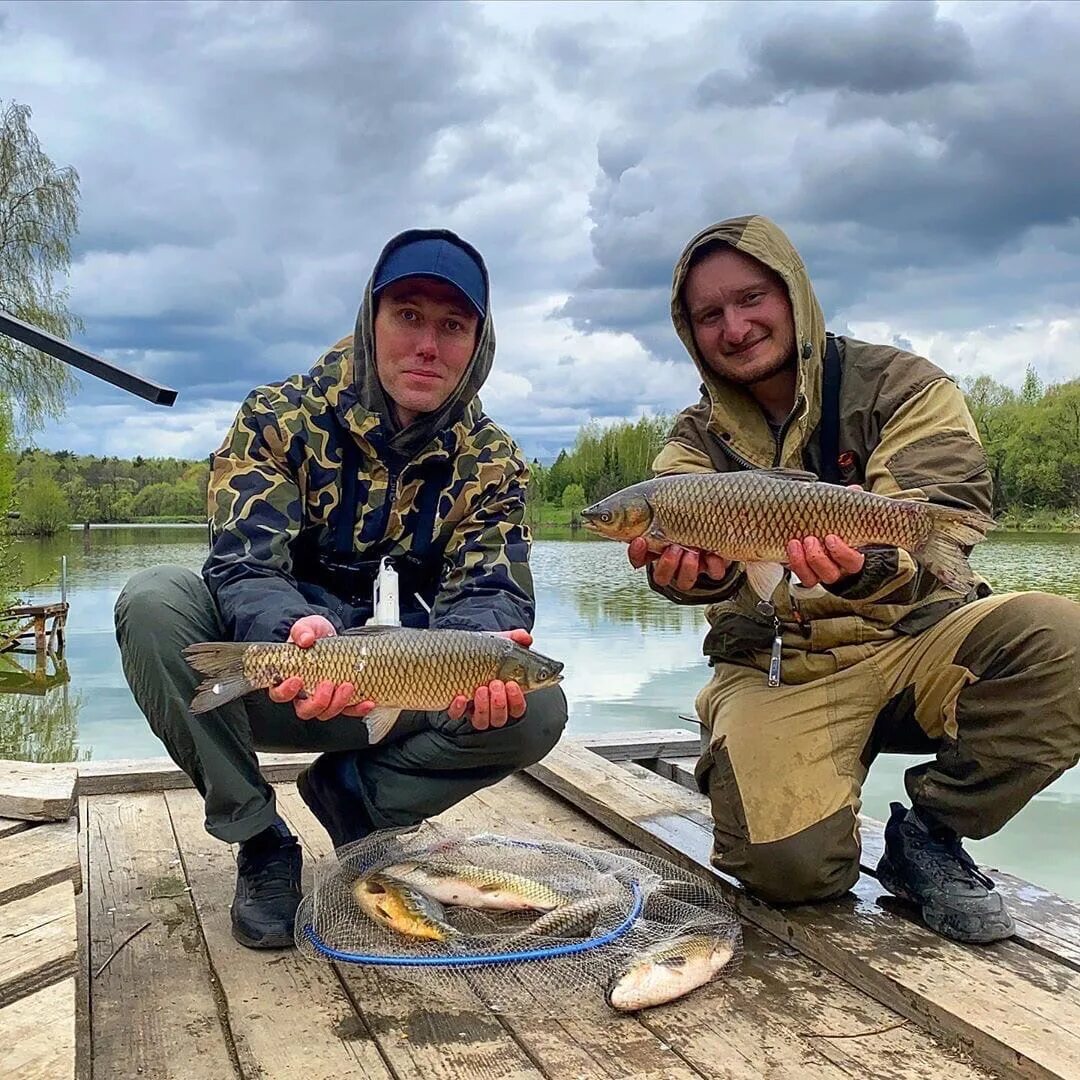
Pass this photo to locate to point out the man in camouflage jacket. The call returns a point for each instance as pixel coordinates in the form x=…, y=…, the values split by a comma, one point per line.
x=875, y=654
x=381, y=449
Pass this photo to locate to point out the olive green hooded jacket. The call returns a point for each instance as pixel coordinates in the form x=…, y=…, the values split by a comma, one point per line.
x=279, y=510
x=904, y=431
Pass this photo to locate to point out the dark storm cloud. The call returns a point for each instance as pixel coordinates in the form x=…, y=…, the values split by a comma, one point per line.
x=892, y=48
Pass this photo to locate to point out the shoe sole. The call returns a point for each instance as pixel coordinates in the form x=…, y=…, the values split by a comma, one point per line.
x=269, y=941
x=890, y=883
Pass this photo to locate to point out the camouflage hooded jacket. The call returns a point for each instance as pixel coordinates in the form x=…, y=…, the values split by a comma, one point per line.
x=904, y=431
x=280, y=507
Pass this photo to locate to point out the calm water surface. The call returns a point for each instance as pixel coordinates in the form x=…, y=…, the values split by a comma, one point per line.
x=634, y=661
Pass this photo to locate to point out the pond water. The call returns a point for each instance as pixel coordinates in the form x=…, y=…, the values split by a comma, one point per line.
x=634, y=662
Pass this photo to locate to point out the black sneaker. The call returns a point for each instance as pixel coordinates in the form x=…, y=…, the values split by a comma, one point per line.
x=267, y=889
x=929, y=868
x=331, y=790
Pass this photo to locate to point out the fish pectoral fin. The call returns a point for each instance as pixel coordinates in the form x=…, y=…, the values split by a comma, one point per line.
x=764, y=577
x=379, y=722
x=673, y=962
x=791, y=474
x=368, y=631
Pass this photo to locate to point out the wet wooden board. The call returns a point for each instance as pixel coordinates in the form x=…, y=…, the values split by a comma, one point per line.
x=1015, y=1011
x=118, y=775
x=778, y=1014
x=419, y=1037
x=1045, y=921
x=35, y=792
x=37, y=1035
x=154, y=1008
x=39, y=857
x=37, y=941
x=268, y=993
x=8, y=826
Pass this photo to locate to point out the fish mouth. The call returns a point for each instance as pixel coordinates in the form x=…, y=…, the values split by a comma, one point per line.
x=592, y=517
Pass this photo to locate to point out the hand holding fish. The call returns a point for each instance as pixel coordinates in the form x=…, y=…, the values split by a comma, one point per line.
x=825, y=560
x=328, y=699
x=675, y=564
x=495, y=703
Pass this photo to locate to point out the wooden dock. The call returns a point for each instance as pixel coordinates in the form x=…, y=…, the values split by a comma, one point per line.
x=43, y=624
x=157, y=988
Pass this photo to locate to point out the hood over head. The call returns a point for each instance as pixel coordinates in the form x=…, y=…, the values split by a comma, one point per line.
x=736, y=416
x=363, y=390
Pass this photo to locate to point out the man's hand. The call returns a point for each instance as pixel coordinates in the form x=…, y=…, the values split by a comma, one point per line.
x=328, y=699
x=676, y=565
x=495, y=703
x=825, y=562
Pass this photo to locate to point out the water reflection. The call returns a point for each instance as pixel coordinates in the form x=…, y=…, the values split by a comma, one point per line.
x=38, y=712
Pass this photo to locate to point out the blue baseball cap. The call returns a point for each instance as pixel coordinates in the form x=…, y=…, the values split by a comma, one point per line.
x=438, y=258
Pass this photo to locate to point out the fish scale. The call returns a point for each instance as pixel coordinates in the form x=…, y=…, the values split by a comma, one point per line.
x=751, y=516
x=442, y=663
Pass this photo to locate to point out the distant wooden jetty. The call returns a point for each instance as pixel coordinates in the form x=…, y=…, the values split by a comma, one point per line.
x=43, y=624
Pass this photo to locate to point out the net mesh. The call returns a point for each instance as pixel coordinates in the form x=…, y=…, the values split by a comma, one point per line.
x=530, y=925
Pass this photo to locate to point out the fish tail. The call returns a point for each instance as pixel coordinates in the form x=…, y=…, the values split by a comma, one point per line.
x=943, y=552
x=223, y=664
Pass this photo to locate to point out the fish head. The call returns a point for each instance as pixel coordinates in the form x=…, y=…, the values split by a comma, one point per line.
x=530, y=670
x=623, y=515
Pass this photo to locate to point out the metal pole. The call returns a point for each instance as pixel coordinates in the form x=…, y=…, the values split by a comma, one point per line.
x=63, y=579
x=84, y=361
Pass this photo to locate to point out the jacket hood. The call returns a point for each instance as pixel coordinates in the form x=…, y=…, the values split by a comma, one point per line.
x=349, y=381
x=736, y=416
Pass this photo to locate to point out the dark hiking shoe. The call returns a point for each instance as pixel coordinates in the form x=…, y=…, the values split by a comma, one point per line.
x=331, y=790
x=930, y=868
x=267, y=889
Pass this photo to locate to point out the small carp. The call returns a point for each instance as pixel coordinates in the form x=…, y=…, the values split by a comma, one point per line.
x=401, y=908
x=668, y=971
x=751, y=516
x=576, y=919
x=396, y=667
x=476, y=886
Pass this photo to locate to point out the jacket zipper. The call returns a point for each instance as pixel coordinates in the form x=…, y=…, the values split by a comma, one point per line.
x=781, y=434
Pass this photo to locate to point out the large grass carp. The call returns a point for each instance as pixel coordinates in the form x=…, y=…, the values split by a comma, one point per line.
x=396, y=667
x=750, y=517
x=668, y=971
x=476, y=886
x=401, y=908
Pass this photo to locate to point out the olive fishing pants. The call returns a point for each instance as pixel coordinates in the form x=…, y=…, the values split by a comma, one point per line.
x=992, y=691
x=427, y=764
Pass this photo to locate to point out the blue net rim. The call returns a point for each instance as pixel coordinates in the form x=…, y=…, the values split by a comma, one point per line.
x=522, y=956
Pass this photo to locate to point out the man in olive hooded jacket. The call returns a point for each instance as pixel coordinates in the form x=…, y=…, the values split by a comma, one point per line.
x=875, y=654
x=381, y=450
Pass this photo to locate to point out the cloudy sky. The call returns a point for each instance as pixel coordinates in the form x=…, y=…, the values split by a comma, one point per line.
x=243, y=163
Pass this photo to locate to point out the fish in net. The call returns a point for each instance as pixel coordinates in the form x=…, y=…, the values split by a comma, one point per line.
x=529, y=925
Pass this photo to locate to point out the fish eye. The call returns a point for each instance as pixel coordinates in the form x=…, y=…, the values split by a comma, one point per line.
x=606, y=516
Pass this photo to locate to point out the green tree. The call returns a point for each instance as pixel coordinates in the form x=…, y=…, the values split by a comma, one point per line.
x=1032, y=390
x=573, y=499
x=39, y=212
x=43, y=507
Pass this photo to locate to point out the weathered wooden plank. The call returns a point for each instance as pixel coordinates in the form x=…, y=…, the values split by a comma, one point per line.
x=419, y=1036
x=30, y=791
x=8, y=826
x=269, y=993
x=154, y=1009
x=83, y=1033
x=37, y=1035
x=37, y=941
x=640, y=745
x=37, y=858
x=778, y=1015
x=975, y=998
x=1045, y=921
x=118, y=775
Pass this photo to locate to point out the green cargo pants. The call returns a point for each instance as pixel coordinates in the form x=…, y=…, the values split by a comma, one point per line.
x=428, y=764
x=991, y=694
